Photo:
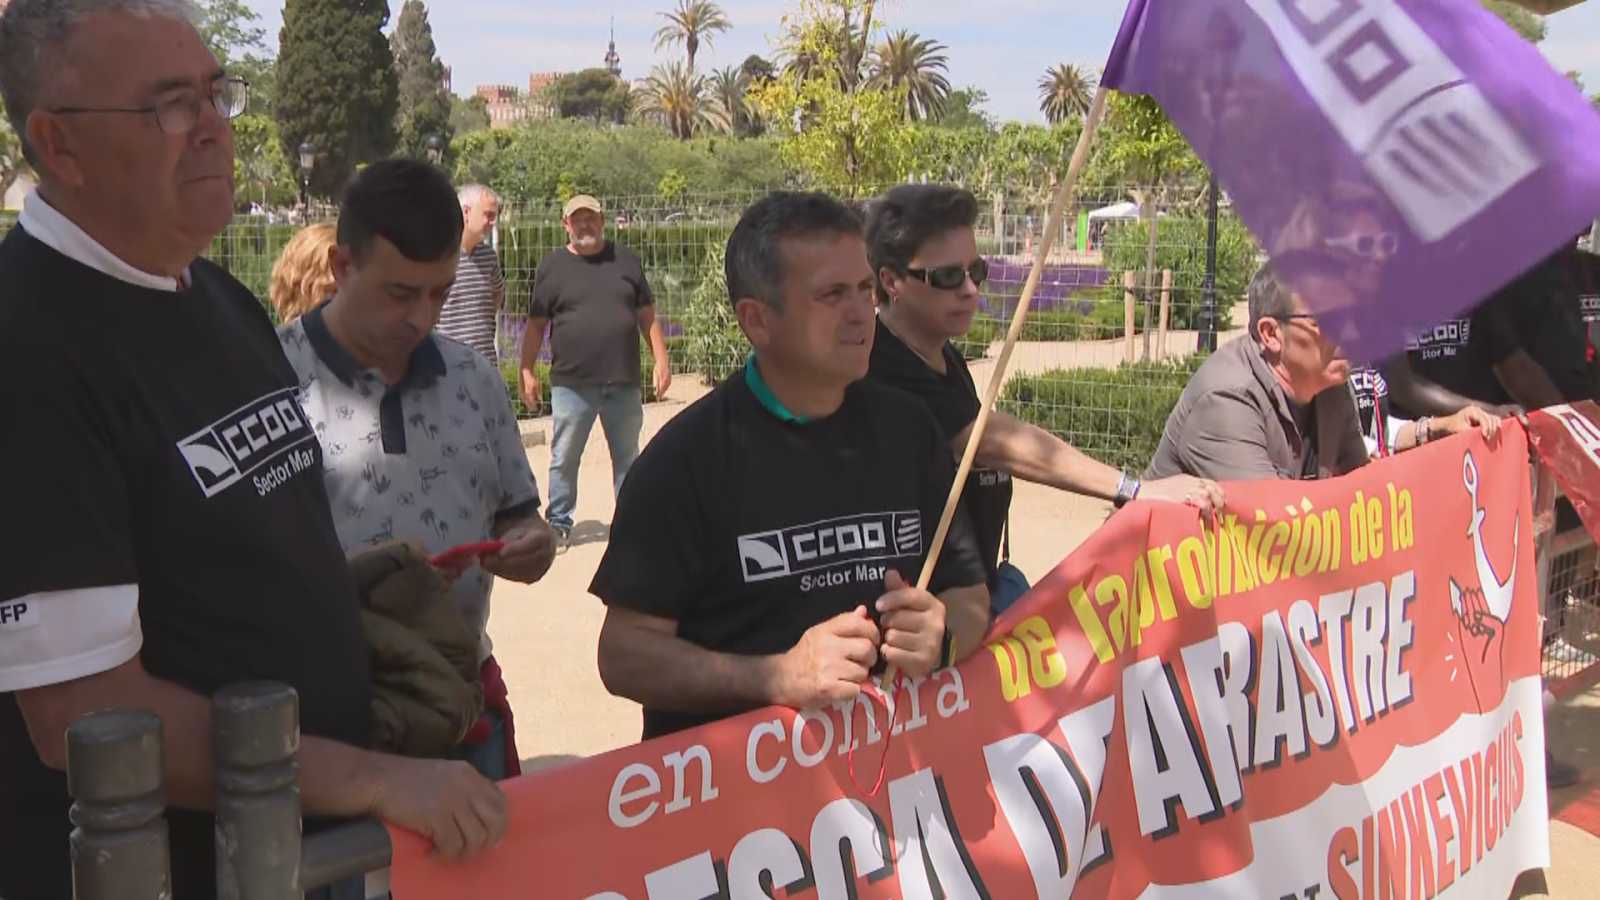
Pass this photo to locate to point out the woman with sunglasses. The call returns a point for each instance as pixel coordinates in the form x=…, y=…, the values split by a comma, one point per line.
x=921, y=244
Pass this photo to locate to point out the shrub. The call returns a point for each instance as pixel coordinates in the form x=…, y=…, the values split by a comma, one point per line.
x=1181, y=247
x=510, y=371
x=714, y=345
x=985, y=330
x=1102, y=322
x=1114, y=415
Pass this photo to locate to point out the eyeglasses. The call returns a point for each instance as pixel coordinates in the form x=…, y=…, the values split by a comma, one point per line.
x=179, y=113
x=1309, y=320
x=1382, y=244
x=949, y=278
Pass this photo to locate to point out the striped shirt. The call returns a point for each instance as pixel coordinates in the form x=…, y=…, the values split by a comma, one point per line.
x=469, y=315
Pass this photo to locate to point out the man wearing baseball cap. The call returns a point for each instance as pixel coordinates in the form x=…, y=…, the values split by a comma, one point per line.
x=593, y=296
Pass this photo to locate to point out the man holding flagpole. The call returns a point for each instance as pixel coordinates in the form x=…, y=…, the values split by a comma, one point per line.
x=766, y=540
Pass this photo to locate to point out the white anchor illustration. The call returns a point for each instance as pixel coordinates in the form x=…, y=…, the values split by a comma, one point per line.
x=1492, y=599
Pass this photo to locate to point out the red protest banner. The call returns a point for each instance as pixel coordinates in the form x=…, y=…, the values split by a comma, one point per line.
x=1567, y=438
x=1334, y=693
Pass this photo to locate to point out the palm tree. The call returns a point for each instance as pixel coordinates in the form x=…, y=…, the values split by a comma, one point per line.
x=729, y=87
x=910, y=60
x=692, y=22
x=680, y=100
x=1064, y=92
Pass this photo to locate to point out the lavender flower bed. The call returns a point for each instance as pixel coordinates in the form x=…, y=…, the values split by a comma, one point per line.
x=1057, y=287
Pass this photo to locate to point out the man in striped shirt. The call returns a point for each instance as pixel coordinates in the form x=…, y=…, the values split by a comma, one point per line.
x=480, y=289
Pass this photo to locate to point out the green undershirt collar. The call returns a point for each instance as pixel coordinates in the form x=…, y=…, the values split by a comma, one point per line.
x=765, y=397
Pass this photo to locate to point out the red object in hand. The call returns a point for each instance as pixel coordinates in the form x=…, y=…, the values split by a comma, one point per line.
x=464, y=552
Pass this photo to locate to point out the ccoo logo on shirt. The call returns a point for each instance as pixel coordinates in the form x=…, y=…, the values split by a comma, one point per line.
x=805, y=548
x=236, y=445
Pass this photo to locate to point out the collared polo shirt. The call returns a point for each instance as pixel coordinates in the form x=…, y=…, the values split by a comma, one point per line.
x=436, y=457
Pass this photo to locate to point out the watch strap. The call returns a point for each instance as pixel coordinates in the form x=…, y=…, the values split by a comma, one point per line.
x=1127, y=490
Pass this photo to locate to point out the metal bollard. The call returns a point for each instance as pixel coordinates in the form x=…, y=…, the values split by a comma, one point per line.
x=115, y=774
x=255, y=734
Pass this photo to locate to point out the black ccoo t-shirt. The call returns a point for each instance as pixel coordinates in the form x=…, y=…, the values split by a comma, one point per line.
x=1460, y=354
x=593, y=305
x=747, y=529
x=953, y=399
x=155, y=448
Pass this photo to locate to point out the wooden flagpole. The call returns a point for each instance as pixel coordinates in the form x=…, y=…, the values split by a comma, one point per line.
x=1058, y=208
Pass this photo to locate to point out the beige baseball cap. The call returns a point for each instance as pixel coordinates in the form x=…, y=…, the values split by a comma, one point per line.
x=581, y=201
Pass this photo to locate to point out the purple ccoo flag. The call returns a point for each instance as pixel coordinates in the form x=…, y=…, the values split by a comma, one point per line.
x=1400, y=160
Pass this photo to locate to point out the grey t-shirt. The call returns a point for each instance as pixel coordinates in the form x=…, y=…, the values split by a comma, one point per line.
x=592, y=303
x=436, y=458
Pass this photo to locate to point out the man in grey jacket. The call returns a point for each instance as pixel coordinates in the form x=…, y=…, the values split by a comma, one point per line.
x=1274, y=406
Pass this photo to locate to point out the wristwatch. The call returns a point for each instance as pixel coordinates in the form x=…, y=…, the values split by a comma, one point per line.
x=1127, y=490
x=947, y=649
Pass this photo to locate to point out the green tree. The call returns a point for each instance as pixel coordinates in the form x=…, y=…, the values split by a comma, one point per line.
x=230, y=30
x=683, y=101
x=1065, y=92
x=12, y=165
x=592, y=94
x=261, y=173
x=1028, y=159
x=756, y=68
x=526, y=164
x=469, y=114
x=336, y=86
x=964, y=109
x=424, y=104
x=1138, y=146
x=1523, y=22
x=730, y=89
x=1143, y=150
x=835, y=129
x=692, y=23
x=909, y=60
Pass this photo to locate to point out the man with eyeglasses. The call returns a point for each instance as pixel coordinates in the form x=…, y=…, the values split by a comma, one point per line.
x=1275, y=405
x=921, y=244
x=765, y=538
x=168, y=532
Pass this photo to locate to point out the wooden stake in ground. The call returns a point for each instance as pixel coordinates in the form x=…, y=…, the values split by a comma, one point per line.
x=1058, y=207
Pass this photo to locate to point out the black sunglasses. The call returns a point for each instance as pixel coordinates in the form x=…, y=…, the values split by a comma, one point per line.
x=949, y=278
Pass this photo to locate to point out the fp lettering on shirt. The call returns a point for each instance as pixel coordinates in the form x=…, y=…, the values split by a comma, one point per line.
x=18, y=616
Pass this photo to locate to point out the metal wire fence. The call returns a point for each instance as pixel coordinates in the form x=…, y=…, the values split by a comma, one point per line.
x=1569, y=578
x=1105, y=349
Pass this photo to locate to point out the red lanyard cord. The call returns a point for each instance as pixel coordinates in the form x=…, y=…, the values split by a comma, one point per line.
x=891, y=705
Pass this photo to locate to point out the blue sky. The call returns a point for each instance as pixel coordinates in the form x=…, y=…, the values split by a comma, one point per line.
x=502, y=41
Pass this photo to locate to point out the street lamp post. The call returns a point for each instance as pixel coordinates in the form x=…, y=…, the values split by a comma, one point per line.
x=1207, y=342
x=436, y=146
x=308, y=161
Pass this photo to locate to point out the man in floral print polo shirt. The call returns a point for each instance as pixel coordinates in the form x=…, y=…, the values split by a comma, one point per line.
x=419, y=440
